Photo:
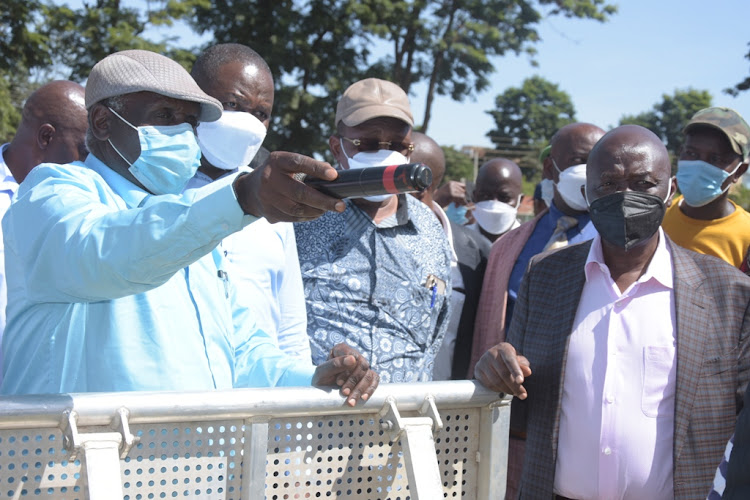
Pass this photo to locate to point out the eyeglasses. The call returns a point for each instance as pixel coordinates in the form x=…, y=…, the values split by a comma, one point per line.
x=367, y=145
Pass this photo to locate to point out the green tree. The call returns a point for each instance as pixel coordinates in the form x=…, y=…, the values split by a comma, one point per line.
x=450, y=44
x=20, y=42
x=530, y=113
x=741, y=86
x=41, y=41
x=315, y=49
x=667, y=117
x=458, y=165
x=79, y=38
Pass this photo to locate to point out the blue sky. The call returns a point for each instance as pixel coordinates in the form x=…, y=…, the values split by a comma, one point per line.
x=650, y=47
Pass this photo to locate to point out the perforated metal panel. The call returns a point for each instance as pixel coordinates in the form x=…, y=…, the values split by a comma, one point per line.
x=34, y=464
x=330, y=452
x=201, y=461
x=335, y=457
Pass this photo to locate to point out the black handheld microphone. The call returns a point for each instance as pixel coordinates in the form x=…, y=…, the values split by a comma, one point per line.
x=373, y=181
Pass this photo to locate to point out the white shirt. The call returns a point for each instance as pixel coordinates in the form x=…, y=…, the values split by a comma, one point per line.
x=8, y=187
x=617, y=408
x=444, y=357
x=266, y=270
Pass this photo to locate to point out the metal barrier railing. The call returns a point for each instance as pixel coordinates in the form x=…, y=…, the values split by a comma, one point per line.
x=410, y=441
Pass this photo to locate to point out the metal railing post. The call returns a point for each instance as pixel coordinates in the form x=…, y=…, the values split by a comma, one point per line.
x=254, y=454
x=493, y=450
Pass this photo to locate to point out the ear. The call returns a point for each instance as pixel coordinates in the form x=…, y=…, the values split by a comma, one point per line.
x=99, y=121
x=672, y=191
x=44, y=136
x=334, y=143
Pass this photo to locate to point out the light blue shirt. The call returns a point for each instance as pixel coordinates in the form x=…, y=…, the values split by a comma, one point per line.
x=112, y=289
x=8, y=187
x=265, y=268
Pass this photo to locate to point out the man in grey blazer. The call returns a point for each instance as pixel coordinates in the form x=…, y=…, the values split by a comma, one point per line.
x=630, y=352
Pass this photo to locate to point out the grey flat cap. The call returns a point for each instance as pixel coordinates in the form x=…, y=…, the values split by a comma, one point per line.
x=144, y=71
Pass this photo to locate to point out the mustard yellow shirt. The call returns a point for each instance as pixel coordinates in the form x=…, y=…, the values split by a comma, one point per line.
x=727, y=238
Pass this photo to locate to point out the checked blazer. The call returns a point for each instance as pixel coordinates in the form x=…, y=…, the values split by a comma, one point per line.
x=713, y=362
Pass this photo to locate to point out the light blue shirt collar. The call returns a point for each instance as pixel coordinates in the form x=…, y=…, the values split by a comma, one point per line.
x=129, y=192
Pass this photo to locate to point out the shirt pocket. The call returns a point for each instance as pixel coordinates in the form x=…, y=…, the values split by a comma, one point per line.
x=658, y=380
x=412, y=311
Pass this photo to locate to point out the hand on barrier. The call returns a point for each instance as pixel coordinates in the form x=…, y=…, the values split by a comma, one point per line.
x=348, y=369
x=502, y=369
x=271, y=191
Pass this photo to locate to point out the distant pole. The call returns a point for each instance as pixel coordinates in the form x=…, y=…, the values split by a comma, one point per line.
x=475, y=154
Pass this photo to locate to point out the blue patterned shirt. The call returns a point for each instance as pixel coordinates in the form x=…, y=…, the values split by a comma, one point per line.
x=366, y=284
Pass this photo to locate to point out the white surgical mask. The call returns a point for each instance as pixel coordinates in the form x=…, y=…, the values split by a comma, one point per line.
x=380, y=158
x=569, y=185
x=231, y=141
x=548, y=191
x=494, y=216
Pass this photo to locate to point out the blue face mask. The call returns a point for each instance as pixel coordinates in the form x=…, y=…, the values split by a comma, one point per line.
x=456, y=214
x=169, y=157
x=700, y=182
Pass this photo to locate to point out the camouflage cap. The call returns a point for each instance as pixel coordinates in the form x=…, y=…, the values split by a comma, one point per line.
x=729, y=122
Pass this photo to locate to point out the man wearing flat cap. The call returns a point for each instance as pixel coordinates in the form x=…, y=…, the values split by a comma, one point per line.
x=114, y=282
x=713, y=157
x=377, y=275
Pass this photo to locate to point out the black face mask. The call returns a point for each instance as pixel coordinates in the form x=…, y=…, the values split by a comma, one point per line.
x=627, y=218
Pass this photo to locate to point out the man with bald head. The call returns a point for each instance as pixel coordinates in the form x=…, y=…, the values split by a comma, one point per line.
x=115, y=283
x=469, y=252
x=267, y=274
x=630, y=352
x=497, y=196
x=565, y=221
x=52, y=130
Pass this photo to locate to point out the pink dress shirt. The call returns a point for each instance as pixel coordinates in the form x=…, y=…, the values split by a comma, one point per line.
x=617, y=409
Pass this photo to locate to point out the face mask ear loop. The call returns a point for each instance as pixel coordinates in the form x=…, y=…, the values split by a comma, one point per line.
x=730, y=175
x=118, y=152
x=110, y=140
x=123, y=119
x=586, y=194
x=554, y=164
x=669, y=191
x=341, y=142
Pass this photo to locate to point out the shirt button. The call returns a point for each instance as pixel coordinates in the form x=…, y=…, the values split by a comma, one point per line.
x=610, y=398
x=607, y=451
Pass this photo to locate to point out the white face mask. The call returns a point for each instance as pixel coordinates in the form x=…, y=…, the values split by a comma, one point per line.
x=380, y=158
x=231, y=141
x=569, y=185
x=548, y=191
x=494, y=216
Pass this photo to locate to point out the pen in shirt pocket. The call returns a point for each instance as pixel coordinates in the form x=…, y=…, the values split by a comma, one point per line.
x=223, y=276
x=436, y=286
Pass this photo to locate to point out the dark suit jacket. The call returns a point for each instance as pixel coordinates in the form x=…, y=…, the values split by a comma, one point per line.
x=738, y=470
x=713, y=363
x=472, y=251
